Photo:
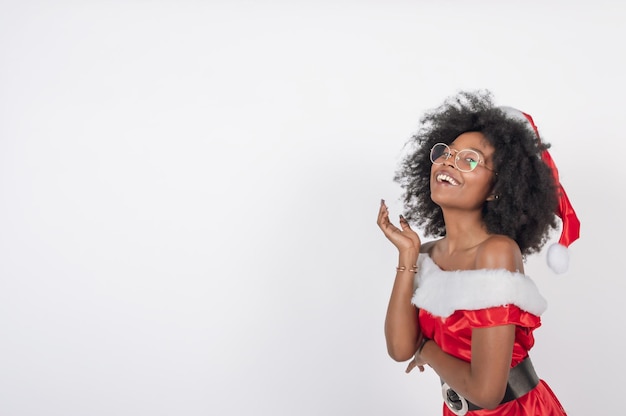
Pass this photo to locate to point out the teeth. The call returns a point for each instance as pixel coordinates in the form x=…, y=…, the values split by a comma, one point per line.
x=445, y=178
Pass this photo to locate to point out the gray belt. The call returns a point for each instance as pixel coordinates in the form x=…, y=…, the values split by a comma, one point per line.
x=522, y=379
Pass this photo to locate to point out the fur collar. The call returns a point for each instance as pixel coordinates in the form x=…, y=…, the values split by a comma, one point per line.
x=443, y=292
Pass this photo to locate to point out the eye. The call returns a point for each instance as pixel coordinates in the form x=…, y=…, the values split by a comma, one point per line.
x=468, y=159
x=472, y=163
x=439, y=153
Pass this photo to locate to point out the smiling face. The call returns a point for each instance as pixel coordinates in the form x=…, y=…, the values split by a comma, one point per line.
x=450, y=187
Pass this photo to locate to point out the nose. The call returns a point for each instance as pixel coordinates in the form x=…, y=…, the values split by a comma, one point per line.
x=450, y=159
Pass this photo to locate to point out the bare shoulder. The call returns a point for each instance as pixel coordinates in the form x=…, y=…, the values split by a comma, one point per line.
x=427, y=247
x=499, y=252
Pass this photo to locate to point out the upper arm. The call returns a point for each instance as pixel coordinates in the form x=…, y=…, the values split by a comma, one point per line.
x=492, y=349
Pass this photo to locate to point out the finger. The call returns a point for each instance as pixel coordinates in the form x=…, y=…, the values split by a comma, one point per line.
x=383, y=215
x=389, y=230
x=384, y=223
x=383, y=208
x=409, y=368
x=421, y=367
x=408, y=231
x=404, y=223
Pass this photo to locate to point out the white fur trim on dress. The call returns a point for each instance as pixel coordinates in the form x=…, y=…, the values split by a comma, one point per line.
x=442, y=292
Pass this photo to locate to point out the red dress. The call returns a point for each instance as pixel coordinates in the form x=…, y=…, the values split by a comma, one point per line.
x=452, y=303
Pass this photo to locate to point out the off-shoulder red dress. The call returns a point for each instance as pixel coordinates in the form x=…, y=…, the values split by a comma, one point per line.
x=451, y=303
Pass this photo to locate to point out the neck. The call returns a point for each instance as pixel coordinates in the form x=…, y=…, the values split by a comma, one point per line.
x=463, y=230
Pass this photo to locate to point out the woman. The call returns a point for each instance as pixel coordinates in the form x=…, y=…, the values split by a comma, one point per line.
x=461, y=303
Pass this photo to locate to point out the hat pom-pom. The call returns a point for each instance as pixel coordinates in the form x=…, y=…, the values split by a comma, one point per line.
x=558, y=258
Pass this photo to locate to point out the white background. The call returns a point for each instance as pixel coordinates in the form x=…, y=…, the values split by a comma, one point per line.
x=189, y=192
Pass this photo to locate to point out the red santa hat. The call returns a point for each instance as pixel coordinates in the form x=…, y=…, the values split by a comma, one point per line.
x=558, y=253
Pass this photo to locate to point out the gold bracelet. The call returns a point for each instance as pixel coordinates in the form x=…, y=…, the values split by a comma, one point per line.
x=413, y=269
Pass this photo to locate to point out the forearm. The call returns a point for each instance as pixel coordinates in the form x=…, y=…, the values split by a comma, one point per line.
x=475, y=386
x=454, y=371
x=401, y=327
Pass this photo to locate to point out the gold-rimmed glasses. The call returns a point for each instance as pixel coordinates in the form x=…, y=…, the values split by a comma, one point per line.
x=466, y=160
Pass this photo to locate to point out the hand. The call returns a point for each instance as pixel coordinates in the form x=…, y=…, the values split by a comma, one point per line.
x=417, y=360
x=414, y=363
x=404, y=238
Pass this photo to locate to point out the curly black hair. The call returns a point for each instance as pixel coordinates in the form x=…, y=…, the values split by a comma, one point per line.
x=525, y=185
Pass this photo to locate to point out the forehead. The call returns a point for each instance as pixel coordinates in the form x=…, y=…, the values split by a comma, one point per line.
x=473, y=140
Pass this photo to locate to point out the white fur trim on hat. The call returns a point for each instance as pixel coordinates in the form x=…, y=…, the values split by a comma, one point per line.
x=558, y=258
x=443, y=292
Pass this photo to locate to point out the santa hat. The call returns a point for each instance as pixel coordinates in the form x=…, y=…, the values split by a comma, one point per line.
x=558, y=253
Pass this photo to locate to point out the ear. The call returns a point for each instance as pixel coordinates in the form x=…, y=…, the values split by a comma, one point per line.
x=492, y=194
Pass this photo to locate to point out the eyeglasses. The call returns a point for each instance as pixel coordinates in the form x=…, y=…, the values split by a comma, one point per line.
x=465, y=160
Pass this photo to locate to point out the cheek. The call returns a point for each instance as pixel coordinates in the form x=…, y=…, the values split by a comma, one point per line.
x=487, y=187
x=481, y=183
